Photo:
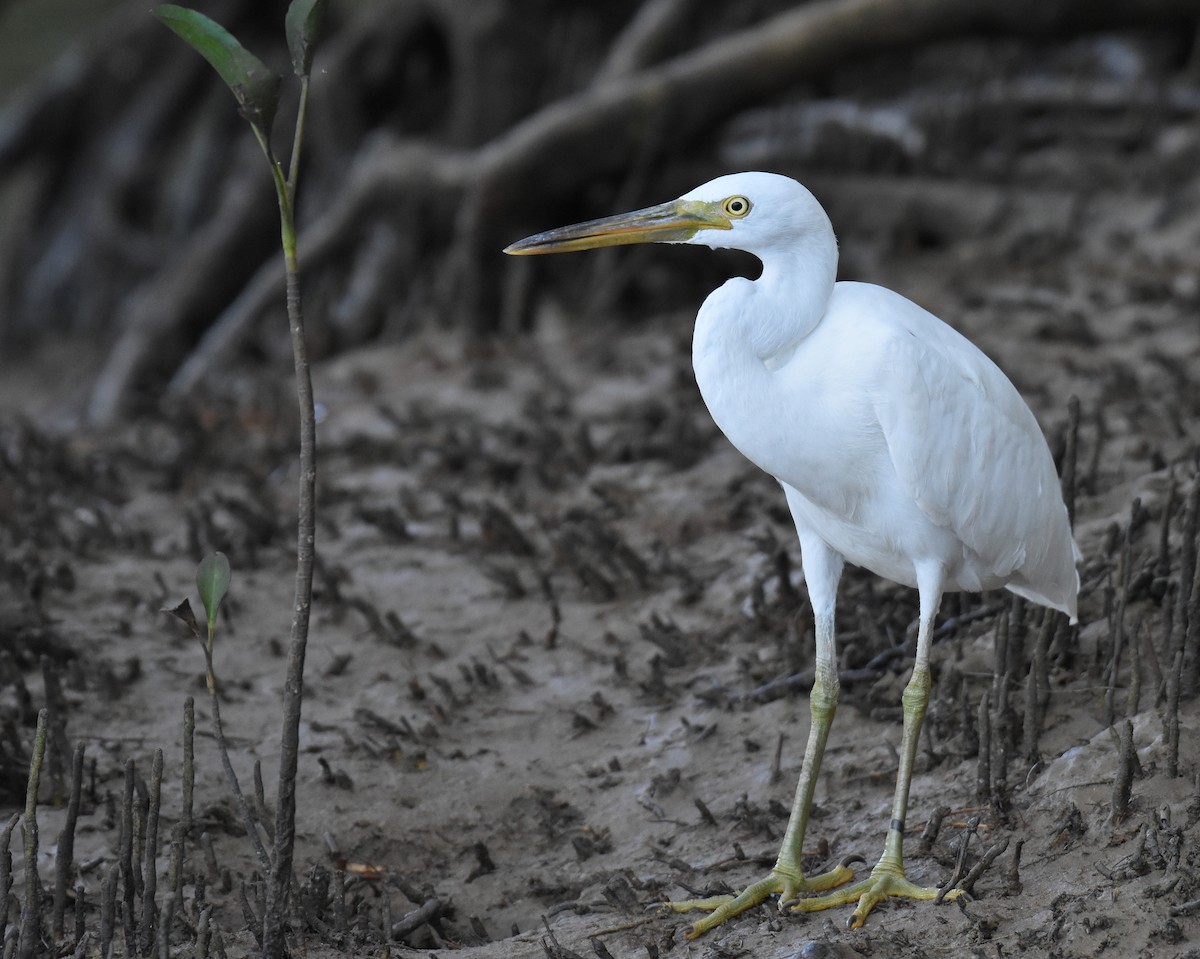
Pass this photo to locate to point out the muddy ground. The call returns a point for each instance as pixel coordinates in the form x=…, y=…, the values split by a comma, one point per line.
x=550, y=595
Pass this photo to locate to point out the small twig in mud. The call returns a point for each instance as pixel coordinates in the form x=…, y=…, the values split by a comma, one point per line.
x=189, y=763
x=31, y=912
x=1162, y=565
x=66, y=847
x=1040, y=666
x=1117, y=624
x=1070, y=825
x=1193, y=806
x=553, y=948
x=1066, y=636
x=966, y=722
x=706, y=815
x=385, y=921
x=1018, y=655
x=1171, y=720
x=58, y=746
x=1093, y=471
x=108, y=908
x=80, y=909
x=260, y=801
x=601, y=950
x=1133, y=696
x=960, y=865
x=1070, y=458
x=428, y=911
x=210, y=857
x=1187, y=599
x=173, y=906
x=126, y=854
x=1127, y=764
x=930, y=833
x=626, y=926
x=203, y=932
x=551, y=639
x=1168, y=644
x=338, y=901
x=1114, y=666
x=6, y=879
x=1030, y=730
x=1190, y=644
x=777, y=760
x=983, y=774
x=1012, y=876
x=968, y=883
x=253, y=922
x=150, y=869
x=1000, y=726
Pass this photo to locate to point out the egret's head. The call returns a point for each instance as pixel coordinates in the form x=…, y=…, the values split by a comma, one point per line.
x=756, y=212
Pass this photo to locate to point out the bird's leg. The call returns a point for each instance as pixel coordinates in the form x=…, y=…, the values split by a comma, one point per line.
x=822, y=706
x=787, y=878
x=888, y=878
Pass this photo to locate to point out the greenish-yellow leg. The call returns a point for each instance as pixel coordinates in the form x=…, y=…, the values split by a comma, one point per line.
x=887, y=878
x=822, y=568
x=786, y=879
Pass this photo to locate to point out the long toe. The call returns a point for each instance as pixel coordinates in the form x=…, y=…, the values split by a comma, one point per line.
x=788, y=887
x=883, y=883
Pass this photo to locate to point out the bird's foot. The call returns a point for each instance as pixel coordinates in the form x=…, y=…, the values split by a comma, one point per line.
x=786, y=884
x=886, y=880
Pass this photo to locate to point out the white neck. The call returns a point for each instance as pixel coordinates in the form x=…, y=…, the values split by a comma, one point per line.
x=747, y=329
x=789, y=298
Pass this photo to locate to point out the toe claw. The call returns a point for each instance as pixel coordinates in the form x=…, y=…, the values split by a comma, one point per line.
x=788, y=884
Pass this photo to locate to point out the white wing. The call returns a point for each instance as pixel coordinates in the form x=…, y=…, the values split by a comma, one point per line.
x=971, y=455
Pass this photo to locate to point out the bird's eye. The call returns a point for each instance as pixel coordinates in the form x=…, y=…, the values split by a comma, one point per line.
x=737, y=206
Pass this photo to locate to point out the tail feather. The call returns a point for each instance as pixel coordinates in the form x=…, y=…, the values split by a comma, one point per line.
x=1062, y=595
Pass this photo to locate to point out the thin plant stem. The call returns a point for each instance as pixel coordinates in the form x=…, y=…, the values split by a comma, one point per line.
x=278, y=869
x=294, y=168
x=248, y=820
x=289, y=746
x=279, y=883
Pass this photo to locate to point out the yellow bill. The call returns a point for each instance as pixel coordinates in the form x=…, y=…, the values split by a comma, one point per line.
x=674, y=222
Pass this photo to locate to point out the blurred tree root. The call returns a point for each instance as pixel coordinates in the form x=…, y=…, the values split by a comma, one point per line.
x=443, y=135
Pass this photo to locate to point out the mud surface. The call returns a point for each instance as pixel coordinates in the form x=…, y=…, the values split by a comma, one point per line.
x=551, y=600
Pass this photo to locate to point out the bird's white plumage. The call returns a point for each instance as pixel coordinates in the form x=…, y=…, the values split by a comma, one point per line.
x=899, y=442
x=899, y=445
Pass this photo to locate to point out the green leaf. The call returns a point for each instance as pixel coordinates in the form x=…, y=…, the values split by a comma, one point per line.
x=252, y=82
x=303, y=22
x=212, y=579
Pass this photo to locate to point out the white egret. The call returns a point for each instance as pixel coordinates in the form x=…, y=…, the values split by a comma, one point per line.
x=899, y=445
